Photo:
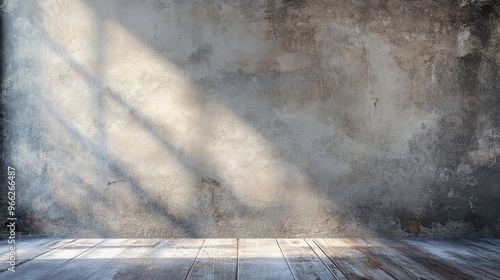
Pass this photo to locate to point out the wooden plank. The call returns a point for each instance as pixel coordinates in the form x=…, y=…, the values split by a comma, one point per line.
x=153, y=259
x=261, y=259
x=174, y=258
x=426, y=259
x=86, y=264
x=27, y=243
x=493, y=241
x=131, y=263
x=217, y=259
x=19, y=242
x=459, y=257
x=50, y=260
x=302, y=260
x=378, y=258
x=394, y=261
x=32, y=249
x=328, y=263
x=483, y=248
x=352, y=262
x=483, y=255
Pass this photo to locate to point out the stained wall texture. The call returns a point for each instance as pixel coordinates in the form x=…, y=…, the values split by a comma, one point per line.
x=270, y=118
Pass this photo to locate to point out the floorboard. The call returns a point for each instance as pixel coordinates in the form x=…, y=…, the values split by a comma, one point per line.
x=175, y=258
x=384, y=250
x=353, y=263
x=50, y=260
x=26, y=251
x=261, y=259
x=86, y=264
x=131, y=263
x=480, y=247
x=242, y=259
x=324, y=258
x=20, y=243
x=302, y=260
x=460, y=257
x=430, y=261
x=216, y=260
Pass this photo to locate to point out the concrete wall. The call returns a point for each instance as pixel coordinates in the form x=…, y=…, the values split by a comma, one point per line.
x=270, y=118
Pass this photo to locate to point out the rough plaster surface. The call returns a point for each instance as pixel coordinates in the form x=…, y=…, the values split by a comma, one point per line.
x=169, y=118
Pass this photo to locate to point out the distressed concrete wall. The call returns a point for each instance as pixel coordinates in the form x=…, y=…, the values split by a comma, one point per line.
x=169, y=118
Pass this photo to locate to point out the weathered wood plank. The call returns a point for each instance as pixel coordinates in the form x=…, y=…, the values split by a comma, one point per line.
x=302, y=260
x=51, y=260
x=261, y=259
x=217, y=260
x=352, y=262
x=153, y=259
x=395, y=262
x=174, y=258
x=86, y=264
x=447, y=270
x=32, y=249
x=20, y=242
x=258, y=259
x=480, y=255
x=460, y=257
x=380, y=260
x=492, y=241
x=324, y=258
x=131, y=263
x=482, y=248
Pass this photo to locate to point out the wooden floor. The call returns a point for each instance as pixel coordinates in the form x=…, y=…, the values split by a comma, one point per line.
x=253, y=259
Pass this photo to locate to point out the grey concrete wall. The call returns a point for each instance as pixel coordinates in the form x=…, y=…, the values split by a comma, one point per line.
x=169, y=118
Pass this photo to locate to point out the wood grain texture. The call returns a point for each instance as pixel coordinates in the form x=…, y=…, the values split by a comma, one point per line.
x=483, y=248
x=258, y=259
x=394, y=261
x=86, y=264
x=324, y=258
x=26, y=251
x=466, y=259
x=131, y=263
x=353, y=263
x=50, y=260
x=302, y=260
x=261, y=259
x=377, y=256
x=217, y=260
x=441, y=267
x=153, y=259
x=174, y=258
x=19, y=243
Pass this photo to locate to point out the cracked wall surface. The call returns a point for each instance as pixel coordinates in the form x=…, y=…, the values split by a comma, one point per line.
x=284, y=118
